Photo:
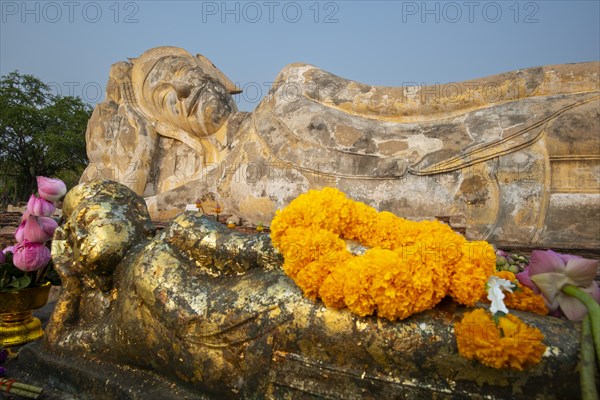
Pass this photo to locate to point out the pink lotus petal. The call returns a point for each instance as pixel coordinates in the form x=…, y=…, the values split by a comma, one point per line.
x=567, y=257
x=48, y=225
x=553, y=307
x=34, y=232
x=550, y=284
x=542, y=262
x=573, y=308
x=581, y=271
x=594, y=291
x=40, y=207
x=20, y=232
x=525, y=280
x=30, y=203
x=25, y=215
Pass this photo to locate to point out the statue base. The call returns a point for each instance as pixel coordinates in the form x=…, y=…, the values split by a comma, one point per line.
x=76, y=375
x=71, y=376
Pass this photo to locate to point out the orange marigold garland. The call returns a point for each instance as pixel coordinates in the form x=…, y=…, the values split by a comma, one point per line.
x=409, y=267
x=510, y=343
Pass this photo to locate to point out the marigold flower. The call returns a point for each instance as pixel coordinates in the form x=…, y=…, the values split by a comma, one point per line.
x=509, y=344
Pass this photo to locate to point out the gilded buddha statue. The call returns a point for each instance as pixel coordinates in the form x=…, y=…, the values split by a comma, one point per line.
x=211, y=309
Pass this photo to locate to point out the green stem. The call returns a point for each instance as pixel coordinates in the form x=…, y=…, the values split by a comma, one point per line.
x=593, y=311
x=587, y=376
x=40, y=274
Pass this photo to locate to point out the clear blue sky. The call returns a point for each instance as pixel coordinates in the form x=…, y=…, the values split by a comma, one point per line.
x=72, y=44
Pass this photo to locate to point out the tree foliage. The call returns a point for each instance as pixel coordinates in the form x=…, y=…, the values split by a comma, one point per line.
x=40, y=134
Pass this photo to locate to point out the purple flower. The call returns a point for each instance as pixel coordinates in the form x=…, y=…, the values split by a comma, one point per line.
x=2, y=257
x=502, y=253
x=40, y=207
x=9, y=249
x=51, y=189
x=29, y=256
x=551, y=271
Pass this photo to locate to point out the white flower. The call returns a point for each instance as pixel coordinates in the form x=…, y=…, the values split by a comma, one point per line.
x=495, y=286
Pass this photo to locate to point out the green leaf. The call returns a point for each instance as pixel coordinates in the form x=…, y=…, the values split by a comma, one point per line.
x=20, y=283
x=496, y=317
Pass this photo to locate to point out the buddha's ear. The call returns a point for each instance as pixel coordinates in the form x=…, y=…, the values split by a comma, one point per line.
x=209, y=69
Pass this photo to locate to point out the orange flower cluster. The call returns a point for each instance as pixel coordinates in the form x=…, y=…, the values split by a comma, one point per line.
x=509, y=344
x=408, y=268
x=523, y=298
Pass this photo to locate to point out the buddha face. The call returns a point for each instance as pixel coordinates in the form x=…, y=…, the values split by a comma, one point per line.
x=182, y=92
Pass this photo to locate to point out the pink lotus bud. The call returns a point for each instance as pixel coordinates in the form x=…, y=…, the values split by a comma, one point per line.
x=39, y=229
x=20, y=233
x=30, y=256
x=40, y=207
x=51, y=189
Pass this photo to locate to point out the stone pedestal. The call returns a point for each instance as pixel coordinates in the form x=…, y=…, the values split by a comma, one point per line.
x=432, y=370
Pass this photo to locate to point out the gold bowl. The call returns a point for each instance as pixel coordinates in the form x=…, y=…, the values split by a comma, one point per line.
x=17, y=324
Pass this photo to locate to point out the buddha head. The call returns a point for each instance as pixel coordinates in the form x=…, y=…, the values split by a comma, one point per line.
x=186, y=92
x=103, y=220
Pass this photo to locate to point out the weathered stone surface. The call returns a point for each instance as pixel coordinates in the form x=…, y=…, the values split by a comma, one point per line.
x=211, y=309
x=516, y=155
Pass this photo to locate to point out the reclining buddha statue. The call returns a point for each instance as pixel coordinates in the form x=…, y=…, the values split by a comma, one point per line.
x=211, y=310
x=514, y=156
